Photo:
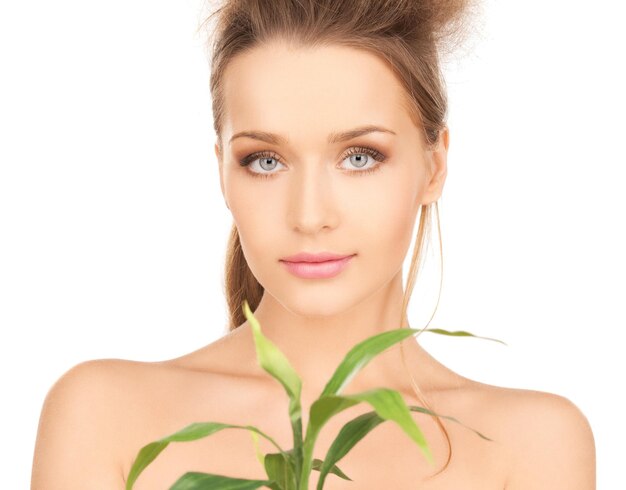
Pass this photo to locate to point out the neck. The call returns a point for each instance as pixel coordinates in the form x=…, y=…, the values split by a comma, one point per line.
x=316, y=344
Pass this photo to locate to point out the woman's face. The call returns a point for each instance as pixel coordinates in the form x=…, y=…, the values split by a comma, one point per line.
x=307, y=192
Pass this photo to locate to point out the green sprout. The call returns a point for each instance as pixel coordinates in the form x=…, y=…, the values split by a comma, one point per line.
x=290, y=469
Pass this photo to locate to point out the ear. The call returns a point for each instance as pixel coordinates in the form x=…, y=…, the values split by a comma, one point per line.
x=219, y=162
x=438, y=167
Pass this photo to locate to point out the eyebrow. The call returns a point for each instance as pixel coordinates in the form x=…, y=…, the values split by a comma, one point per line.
x=339, y=137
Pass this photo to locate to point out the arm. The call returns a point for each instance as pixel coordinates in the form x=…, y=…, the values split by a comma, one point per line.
x=76, y=439
x=553, y=445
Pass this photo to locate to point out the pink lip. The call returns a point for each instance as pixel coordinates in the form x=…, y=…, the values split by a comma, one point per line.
x=318, y=269
x=309, y=257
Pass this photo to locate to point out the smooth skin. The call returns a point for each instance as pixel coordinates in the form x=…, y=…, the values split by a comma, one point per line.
x=315, y=198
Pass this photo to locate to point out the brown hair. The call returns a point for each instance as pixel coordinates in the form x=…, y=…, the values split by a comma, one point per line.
x=409, y=35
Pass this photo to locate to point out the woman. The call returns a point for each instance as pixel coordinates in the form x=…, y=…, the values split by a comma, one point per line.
x=331, y=140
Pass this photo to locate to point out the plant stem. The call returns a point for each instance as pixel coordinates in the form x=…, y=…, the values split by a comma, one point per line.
x=297, y=444
x=307, y=459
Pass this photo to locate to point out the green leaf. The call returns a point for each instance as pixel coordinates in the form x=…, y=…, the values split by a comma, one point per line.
x=361, y=354
x=192, y=432
x=318, y=463
x=280, y=467
x=387, y=403
x=351, y=433
x=207, y=481
x=459, y=333
x=355, y=430
x=324, y=408
x=272, y=360
x=415, y=408
x=357, y=358
x=390, y=405
x=321, y=411
x=257, y=449
x=146, y=455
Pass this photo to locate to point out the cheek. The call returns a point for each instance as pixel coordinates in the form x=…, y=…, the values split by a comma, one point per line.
x=257, y=218
x=385, y=220
x=252, y=208
x=254, y=222
x=391, y=218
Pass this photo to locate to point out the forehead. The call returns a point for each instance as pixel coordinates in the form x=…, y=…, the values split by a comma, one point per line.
x=302, y=90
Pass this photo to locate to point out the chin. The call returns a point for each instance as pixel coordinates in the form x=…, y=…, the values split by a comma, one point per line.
x=318, y=302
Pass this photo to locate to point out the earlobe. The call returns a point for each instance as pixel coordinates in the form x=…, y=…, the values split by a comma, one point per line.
x=221, y=172
x=438, y=166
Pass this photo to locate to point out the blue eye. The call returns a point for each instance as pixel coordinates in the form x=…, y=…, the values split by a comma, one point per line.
x=364, y=154
x=265, y=159
x=269, y=161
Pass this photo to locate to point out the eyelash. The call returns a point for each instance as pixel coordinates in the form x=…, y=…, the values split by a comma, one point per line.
x=355, y=150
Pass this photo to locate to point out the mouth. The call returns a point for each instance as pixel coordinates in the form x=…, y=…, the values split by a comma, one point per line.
x=315, y=257
x=318, y=269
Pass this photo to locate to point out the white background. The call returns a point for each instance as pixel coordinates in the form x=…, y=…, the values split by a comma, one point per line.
x=113, y=228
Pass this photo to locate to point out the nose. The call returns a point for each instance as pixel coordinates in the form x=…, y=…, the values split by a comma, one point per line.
x=311, y=206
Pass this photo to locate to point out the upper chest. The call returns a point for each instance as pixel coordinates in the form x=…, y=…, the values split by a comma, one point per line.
x=384, y=458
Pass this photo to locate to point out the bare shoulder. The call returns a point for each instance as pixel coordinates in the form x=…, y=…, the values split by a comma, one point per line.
x=80, y=427
x=548, y=437
x=95, y=386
